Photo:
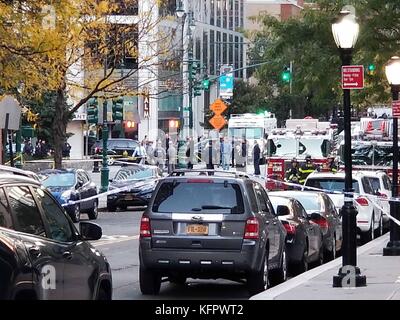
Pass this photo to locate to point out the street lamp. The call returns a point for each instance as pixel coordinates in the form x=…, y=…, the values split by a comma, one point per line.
x=345, y=32
x=392, y=70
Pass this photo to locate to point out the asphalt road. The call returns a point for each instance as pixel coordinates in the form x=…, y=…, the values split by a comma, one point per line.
x=120, y=245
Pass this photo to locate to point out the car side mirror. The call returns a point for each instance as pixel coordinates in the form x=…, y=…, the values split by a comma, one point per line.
x=90, y=231
x=314, y=216
x=282, y=211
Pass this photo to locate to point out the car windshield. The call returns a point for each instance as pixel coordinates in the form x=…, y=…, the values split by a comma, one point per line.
x=199, y=197
x=134, y=174
x=331, y=184
x=58, y=179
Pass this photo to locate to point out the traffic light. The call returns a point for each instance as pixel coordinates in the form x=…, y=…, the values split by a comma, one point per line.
x=206, y=84
x=92, y=111
x=286, y=75
x=371, y=69
x=197, y=88
x=117, y=109
x=194, y=69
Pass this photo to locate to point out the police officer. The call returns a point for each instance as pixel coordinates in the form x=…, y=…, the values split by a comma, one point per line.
x=292, y=175
x=305, y=170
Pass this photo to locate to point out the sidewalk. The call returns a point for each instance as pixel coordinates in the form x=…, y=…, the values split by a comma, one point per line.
x=383, y=279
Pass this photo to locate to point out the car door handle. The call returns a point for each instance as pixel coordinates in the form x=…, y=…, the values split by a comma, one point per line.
x=35, y=251
x=274, y=223
x=67, y=255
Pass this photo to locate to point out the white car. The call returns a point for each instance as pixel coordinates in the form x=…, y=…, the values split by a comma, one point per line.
x=369, y=217
x=382, y=189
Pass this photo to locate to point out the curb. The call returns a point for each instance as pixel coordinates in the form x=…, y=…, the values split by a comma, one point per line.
x=271, y=294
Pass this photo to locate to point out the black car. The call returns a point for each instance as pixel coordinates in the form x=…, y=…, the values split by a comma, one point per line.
x=138, y=183
x=199, y=225
x=115, y=146
x=42, y=255
x=324, y=212
x=72, y=185
x=304, y=237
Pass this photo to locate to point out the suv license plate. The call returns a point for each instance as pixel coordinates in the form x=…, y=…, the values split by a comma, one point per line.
x=197, y=229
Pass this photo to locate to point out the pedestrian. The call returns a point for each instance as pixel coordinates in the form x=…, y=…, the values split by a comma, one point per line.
x=159, y=155
x=140, y=153
x=150, y=153
x=171, y=157
x=66, y=150
x=256, y=158
x=28, y=148
x=190, y=152
x=226, y=154
x=305, y=170
x=292, y=175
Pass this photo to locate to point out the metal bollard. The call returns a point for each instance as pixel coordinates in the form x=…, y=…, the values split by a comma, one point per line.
x=96, y=166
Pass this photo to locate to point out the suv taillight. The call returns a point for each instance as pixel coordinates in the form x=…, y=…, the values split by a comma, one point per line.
x=290, y=228
x=145, y=228
x=362, y=201
x=252, y=228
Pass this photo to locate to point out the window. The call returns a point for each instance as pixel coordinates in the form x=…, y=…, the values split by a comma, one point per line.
x=330, y=184
x=299, y=209
x=5, y=214
x=375, y=184
x=386, y=183
x=60, y=228
x=24, y=209
x=200, y=197
x=366, y=183
x=252, y=197
x=261, y=199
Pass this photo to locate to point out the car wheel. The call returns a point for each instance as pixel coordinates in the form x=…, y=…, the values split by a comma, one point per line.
x=94, y=212
x=102, y=295
x=378, y=232
x=150, y=281
x=76, y=214
x=302, y=266
x=258, y=281
x=278, y=276
x=331, y=255
x=368, y=235
x=111, y=208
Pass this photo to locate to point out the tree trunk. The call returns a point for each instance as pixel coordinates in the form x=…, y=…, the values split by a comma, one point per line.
x=60, y=126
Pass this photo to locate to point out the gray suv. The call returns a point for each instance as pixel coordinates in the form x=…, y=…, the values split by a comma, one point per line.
x=211, y=224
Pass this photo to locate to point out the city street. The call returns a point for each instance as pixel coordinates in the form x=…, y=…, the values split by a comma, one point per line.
x=120, y=245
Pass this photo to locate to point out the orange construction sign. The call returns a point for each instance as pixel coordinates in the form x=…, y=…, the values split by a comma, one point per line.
x=218, y=106
x=217, y=121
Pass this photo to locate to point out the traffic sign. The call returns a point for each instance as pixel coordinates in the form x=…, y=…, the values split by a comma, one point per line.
x=396, y=109
x=352, y=77
x=226, y=82
x=217, y=121
x=218, y=106
x=9, y=105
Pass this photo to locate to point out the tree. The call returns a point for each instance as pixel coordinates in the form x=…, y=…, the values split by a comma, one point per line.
x=85, y=50
x=308, y=42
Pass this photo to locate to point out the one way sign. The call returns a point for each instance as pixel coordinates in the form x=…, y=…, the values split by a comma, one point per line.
x=352, y=77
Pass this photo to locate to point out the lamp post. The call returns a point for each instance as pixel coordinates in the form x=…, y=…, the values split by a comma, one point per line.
x=392, y=70
x=105, y=171
x=187, y=74
x=345, y=32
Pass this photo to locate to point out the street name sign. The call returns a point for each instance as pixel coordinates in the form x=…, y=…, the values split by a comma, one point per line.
x=352, y=77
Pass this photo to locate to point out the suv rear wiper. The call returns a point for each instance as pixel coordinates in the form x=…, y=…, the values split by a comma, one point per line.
x=215, y=207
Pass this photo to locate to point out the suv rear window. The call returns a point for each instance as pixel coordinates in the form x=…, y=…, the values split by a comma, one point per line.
x=331, y=184
x=187, y=197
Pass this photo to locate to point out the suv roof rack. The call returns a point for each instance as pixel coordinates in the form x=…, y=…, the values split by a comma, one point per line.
x=183, y=172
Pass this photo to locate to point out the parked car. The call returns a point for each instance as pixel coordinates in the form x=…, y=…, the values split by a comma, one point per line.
x=382, y=189
x=369, y=217
x=72, y=185
x=211, y=226
x=325, y=215
x=115, y=146
x=304, y=238
x=141, y=180
x=42, y=254
x=16, y=171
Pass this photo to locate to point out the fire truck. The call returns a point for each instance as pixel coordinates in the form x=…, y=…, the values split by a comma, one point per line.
x=299, y=138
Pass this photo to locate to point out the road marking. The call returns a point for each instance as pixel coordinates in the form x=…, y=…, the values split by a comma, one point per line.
x=113, y=239
x=398, y=280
